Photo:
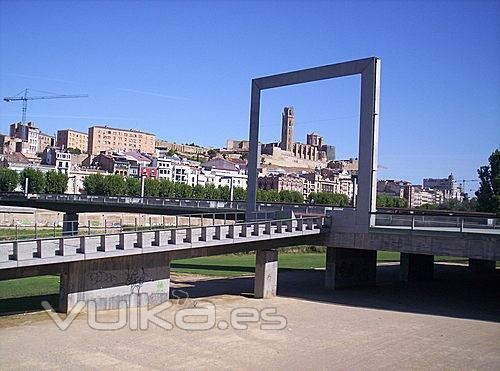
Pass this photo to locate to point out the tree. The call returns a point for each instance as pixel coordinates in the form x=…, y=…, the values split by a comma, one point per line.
x=239, y=194
x=9, y=179
x=56, y=182
x=95, y=184
x=488, y=194
x=211, y=192
x=291, y=196
x=182, y=190
x=166, y=188
x=268, y=195
x=212, y=153
x=36, y=180
x=171, y=152
x=327, y=198
x=391, y=201
x=133, y=186
x=198, y=192
x=151, y=187
x=115, y=185
x=74, y=151
x=224, y=193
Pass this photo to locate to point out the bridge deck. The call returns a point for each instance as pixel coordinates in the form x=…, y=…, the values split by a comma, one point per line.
x=43, y=251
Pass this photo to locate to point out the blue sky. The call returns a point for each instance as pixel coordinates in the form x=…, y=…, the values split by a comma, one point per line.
x=183, y=69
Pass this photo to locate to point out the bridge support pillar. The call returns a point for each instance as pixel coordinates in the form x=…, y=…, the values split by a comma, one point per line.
x=266, y=274
x=350, y=267
x=482, y=267
x=70, y=224
x=416, y=267
x=134, y=280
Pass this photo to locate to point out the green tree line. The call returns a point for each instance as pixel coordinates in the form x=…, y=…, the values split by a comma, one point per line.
x=116, y=185
x=38, y=182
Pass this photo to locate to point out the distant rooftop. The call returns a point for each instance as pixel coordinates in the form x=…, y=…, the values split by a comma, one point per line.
x=127, y=130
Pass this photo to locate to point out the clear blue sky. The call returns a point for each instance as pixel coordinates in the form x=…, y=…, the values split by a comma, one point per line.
x=182, y=70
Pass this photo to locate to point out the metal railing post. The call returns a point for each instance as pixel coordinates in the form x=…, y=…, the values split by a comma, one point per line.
x=412, y=222
x=17, y=235
x=36, y=231
x=88, y=227
x=462, y=224
x=213, y=219
x=135, y=224
x=54, y=228
x=176, y=221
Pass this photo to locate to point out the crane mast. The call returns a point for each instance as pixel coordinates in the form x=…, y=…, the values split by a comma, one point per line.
x=24, y=97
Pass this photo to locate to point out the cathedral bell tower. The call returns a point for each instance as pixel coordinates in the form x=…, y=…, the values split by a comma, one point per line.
x=287, y=124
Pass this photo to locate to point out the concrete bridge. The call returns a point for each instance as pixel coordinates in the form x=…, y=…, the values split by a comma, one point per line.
x=110, y=267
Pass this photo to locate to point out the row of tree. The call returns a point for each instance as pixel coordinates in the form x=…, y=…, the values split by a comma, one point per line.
x=390, y=201
x=116, y=185
x=38, y=182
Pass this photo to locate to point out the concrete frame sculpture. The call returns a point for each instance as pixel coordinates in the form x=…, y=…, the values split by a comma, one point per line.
x=369, y=68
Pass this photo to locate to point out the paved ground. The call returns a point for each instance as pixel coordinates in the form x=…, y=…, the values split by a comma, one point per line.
x=449, y=324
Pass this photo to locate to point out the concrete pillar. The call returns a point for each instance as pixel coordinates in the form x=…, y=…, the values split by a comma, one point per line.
x=70, y=224
x=482, y=267
x=416, y=267
x=266, y=274
x=350, y=268
x=107, y=282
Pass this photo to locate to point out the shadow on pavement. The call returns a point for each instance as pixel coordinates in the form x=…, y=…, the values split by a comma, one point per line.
x=26, y=304
x=452, y=293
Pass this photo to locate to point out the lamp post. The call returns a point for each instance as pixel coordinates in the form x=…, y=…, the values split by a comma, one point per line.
x=231, y=188
x=74, y=183
x=142, y=182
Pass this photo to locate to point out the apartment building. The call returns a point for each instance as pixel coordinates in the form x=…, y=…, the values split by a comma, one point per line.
x=28, y=133
x=59, y=159
x=103, y=138
x=281, y=182
x=45, y=141
x=69, y=138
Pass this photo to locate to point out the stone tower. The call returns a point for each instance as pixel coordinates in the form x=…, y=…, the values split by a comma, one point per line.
x=287, y=124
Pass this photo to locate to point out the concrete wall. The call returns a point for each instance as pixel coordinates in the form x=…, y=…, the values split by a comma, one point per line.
x=469, y=245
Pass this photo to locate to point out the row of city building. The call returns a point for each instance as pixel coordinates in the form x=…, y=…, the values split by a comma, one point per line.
x=432, y=191
x=29, y=140
x=131, y=153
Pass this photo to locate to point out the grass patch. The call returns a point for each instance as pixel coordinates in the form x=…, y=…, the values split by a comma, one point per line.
x=30, y=286
x=26, y=294
x=28, y=233
x=241, y=264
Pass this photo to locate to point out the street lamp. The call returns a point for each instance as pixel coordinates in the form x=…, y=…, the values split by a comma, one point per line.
x=74, y=183
x=231, y=188
x=26, y=181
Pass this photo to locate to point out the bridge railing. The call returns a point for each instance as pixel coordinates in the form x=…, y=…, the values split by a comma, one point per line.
x=79, y=246
x=183, y=202
x=450, y=223
x=63, y=228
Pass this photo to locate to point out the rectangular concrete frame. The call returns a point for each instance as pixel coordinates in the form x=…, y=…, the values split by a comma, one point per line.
x=369, y=69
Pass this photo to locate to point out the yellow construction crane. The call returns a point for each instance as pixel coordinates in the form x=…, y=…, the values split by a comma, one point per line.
x=23, y=96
